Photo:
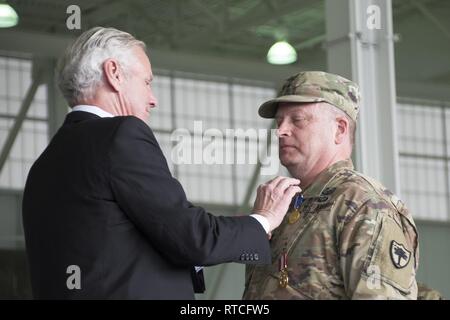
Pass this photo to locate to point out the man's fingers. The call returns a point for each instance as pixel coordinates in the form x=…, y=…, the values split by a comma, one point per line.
x=292, y=191
x=274, y=181
x=286, y=182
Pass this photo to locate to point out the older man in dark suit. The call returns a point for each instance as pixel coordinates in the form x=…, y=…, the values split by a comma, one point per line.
x=103, y=216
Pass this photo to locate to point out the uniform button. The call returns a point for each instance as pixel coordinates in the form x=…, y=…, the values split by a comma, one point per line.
x=256, y=257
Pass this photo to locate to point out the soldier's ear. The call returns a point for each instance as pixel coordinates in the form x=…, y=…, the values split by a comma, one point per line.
x=342, y=130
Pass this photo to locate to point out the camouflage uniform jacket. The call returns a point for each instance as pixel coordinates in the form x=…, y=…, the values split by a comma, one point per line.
x=354, y=240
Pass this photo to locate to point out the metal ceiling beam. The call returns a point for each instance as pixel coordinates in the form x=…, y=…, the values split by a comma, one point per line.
x=237, y=48
x=103, y=13
x=321, y=39
x=175, y=22
x=309, y=43
x=148, y=22
x=431, y=17
x=271, y=4
x=258, y=15
x=208, y=12
x=226, y=12
x=41, y=44
x=407, y=8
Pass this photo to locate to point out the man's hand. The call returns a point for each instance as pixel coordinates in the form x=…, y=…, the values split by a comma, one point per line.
x=273, y=199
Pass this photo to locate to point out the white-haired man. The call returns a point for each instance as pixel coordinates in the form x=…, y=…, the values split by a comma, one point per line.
x=103, y=217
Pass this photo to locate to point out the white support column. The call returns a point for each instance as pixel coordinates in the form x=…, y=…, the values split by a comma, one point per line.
x=360, y=46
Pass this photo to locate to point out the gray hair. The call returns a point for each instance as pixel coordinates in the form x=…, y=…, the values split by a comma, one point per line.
x=80, y=72
x=334, y=112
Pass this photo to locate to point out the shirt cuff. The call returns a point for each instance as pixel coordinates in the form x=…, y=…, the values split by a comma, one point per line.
x=263, y=220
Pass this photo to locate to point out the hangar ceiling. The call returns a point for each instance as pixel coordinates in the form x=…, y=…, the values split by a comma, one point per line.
x=243, y=30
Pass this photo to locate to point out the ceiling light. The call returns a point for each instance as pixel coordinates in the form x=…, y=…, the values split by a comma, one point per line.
x=8, y=16
x=281, y=53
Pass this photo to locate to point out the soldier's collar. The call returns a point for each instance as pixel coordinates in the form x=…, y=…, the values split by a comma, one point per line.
x=316, y=188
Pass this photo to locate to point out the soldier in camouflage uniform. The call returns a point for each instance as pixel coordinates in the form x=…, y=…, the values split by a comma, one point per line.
x=350, y=238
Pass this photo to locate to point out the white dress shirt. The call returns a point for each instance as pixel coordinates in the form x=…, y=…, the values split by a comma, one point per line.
x=92, y=109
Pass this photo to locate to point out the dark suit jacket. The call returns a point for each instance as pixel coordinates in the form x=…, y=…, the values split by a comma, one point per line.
x=101, y=197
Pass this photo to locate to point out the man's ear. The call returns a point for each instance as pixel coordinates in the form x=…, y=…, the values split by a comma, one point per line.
x=113, y=74
x=341, y=129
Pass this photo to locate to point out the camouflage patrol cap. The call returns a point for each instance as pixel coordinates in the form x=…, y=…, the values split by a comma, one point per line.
x=316, y=86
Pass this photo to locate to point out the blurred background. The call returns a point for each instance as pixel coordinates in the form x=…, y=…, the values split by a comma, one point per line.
x=211, y=63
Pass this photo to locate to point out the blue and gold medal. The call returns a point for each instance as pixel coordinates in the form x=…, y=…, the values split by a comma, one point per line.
x=295, y=214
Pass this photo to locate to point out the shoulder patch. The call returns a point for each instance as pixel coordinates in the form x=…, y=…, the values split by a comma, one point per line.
x=394, y=256
x=400, y=256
